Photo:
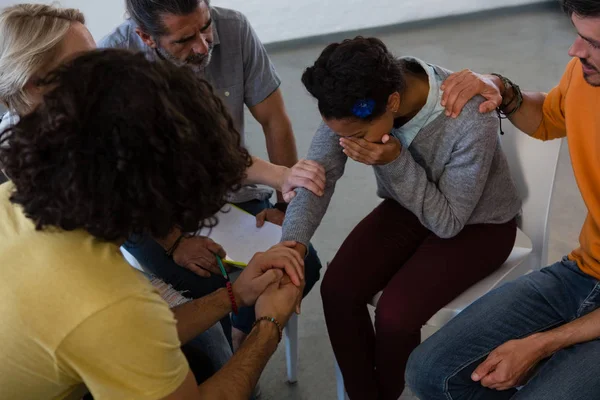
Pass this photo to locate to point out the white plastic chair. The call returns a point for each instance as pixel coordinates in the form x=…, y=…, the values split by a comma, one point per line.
x=533, y=167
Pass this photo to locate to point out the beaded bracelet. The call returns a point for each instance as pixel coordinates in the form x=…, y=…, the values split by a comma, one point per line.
x=234, y=306
x=273, y=320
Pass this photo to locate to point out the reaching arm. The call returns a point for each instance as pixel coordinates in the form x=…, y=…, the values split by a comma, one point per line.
x=528, y=117
x=237, y=379
x=541, y=115
x=263, y=97
x=306, y=211
x=198, y=315
x=281, y=144
x=245, y=367
x=265, y=173
x=239, y=376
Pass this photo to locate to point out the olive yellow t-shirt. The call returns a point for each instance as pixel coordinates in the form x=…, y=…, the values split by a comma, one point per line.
x=73, y=312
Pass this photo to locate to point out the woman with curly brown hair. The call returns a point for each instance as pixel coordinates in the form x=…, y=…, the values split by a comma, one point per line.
x=92, y=165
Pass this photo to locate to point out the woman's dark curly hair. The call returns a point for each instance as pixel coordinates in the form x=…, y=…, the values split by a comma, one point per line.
x=122, y=146
x=354, y=70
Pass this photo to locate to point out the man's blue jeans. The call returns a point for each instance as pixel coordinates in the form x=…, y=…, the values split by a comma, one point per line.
x=152, y=256
x=441, y=367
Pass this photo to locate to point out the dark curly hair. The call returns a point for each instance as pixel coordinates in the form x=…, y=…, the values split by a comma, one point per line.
x=582, y=8
x=356, y=69
x=124, y=146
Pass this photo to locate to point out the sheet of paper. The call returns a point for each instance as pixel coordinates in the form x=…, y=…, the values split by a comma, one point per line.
x=239, y=236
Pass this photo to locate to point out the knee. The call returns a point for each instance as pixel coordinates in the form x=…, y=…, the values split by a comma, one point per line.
x=338, y=290
x=425, y=374
x=395, y=315
x=329, y=287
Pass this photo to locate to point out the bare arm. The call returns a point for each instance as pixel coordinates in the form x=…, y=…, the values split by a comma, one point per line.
x=529, y=116
x=511, y=364
x=237, y=379
x=198, y=315
x=245, y=367
x=462, y=86
x=581, y=330
x=265, y=173
x=239, y=376
x=265, y=268
x=281, y=144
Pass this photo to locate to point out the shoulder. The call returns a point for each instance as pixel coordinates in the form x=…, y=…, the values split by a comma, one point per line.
x=470, y=117
x=229, y=22
x=228, y=15
x=123, y=37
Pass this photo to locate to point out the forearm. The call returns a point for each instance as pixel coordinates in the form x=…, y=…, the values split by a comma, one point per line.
x=530, y=114
x=265, y=173
x=281, y=144
x=237, y=379
x=198, y=315
x=581, y=330
x=306, y=211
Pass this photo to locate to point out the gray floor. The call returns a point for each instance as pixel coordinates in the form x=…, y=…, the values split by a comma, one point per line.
x=531, y=48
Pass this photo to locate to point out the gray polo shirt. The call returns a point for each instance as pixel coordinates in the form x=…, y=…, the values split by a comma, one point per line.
x=240, y=70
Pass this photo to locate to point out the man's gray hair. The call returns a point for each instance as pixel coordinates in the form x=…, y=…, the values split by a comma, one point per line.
x=147, y=14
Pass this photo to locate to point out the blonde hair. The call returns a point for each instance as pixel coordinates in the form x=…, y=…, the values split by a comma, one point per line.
x=30, y=37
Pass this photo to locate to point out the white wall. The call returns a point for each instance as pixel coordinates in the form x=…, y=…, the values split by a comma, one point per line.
x=101, y=15
x=277, y=20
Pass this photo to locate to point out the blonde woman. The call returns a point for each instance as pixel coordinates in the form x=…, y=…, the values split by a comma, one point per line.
x=34, y=39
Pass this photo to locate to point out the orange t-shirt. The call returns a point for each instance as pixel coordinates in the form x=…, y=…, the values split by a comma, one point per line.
x=572, y=109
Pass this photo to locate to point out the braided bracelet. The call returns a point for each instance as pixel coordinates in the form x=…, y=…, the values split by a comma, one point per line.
x=273, y=320
x=518, y=96
x=169, y=253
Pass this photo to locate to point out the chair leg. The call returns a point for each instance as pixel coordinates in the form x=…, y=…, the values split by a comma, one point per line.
x=291, y=348
x=339, y=380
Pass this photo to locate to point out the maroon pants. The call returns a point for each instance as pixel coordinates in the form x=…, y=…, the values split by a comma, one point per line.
x=419, y=274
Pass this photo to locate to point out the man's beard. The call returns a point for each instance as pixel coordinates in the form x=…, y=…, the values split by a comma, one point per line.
x=197, y=62
x=594, y=82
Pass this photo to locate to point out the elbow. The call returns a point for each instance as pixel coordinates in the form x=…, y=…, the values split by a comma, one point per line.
x=333, y=174
x=450, y=230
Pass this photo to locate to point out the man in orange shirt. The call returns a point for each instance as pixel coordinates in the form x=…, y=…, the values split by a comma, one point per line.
x=540, y=331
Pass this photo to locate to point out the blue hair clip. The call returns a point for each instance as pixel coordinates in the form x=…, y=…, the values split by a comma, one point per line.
x=363, y=108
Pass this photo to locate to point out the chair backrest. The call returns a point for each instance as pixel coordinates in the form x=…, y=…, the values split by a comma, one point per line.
x=533, y=166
